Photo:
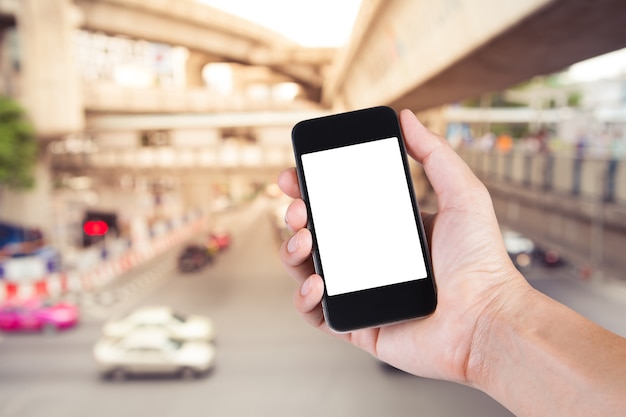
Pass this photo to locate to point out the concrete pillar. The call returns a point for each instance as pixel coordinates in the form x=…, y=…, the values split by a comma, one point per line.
x=195, y=63
x=50, y=89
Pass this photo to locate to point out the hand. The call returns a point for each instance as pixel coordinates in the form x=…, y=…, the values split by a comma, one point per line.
x=471, y=267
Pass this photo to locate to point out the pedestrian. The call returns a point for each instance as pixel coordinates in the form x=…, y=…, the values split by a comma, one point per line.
x=579, y=156
x=617, y=148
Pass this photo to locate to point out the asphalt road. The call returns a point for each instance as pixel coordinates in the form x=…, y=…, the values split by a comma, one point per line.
x=269, y=362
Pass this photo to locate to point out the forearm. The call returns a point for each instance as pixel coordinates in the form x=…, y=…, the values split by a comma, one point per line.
x=539, y=358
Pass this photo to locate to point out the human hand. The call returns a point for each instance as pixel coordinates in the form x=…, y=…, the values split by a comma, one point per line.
x=470, y=264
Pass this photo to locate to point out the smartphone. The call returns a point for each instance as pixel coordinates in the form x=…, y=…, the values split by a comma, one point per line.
x=369, y=244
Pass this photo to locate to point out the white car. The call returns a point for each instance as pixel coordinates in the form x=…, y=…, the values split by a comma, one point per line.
x=153, y=352
x=519, y=247
x=177, y=326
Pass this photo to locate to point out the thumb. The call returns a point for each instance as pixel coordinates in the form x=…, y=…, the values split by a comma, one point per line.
x=448, y=174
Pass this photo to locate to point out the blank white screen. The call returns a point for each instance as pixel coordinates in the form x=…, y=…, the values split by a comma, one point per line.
x=361, y=208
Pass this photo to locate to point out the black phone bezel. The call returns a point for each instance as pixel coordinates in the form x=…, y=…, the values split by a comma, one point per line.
x=381, y=305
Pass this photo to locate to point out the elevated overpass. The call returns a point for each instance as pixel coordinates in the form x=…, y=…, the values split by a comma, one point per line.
x=411, y=54
x=422, y=54
x=210, y=34
x=402, y=53
x=415, y=55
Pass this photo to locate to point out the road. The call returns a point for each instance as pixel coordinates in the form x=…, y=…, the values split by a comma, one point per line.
x=269, y=362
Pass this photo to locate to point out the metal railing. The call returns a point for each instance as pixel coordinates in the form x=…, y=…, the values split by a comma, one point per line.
x=564, y=173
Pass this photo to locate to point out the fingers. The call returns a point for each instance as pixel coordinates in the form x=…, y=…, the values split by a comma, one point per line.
x=295, y=254
x=288, y=182
x=307, y=300
x=296, y=216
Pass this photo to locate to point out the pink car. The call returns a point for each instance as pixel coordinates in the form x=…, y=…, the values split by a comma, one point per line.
x=36, y=315
x=218, y=241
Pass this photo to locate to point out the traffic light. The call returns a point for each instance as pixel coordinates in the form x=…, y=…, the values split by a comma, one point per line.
x=97, y=225
x=95, y=228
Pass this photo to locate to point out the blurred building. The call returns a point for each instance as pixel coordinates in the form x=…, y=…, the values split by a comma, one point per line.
x=127, y=99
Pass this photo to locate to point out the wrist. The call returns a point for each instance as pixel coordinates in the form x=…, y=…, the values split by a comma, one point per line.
x=538, y=357
x=493, y=326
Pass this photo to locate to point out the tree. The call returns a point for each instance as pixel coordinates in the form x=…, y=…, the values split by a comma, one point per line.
x=18, y=146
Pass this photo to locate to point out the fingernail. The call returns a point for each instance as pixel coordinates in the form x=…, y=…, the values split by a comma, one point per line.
x=306, y=287
x=292, y=245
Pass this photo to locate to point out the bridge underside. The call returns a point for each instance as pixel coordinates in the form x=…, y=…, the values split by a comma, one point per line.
x=558, y=35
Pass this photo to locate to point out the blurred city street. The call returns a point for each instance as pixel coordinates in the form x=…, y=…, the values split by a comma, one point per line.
x=140, y=144
x=268, y=361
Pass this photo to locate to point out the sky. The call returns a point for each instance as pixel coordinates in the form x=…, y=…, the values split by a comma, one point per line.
x=318, y=23
x=608, y=65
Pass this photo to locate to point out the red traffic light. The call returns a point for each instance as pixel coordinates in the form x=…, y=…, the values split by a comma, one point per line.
x=95, y=228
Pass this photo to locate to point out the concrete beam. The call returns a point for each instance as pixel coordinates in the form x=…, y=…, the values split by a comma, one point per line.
x=423, y=54
x=102, y=97
x=125, y=122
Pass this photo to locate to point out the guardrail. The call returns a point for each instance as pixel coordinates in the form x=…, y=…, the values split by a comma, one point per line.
x=564, y=173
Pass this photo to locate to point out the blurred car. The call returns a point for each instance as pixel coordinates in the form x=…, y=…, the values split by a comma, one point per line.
x=525, y=252
x=152, y=352
x=17, y=240
x=218, y=241
x=549, y=257
x=519, y=248
x=36, y=315
x=163, y=318
x=194, y=257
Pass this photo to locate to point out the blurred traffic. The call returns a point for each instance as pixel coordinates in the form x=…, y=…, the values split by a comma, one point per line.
x=37, y=315
x=152, y=352
x=525, y=253
x=140, y=220
x=229, y=332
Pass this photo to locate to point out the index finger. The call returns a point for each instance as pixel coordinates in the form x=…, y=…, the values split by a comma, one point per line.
x=288, y=182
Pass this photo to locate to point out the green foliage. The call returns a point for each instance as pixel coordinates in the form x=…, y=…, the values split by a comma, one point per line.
x=574, y=99
x=515, y=130
x=499, y=100
x=490, y=100
x=471, y=102
x=18, y=146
